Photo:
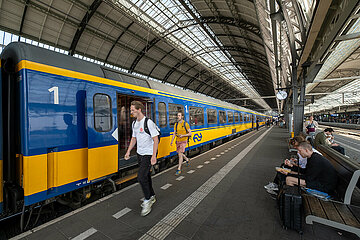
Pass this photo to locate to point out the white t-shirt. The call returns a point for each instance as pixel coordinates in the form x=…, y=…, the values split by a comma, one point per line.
x=303, y=161
x=144, y=141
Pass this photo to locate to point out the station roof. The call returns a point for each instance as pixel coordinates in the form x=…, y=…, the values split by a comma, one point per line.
x=238, y=51
x=211, y=47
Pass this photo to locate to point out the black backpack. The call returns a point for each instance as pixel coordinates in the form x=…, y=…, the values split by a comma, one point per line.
x=146, y=128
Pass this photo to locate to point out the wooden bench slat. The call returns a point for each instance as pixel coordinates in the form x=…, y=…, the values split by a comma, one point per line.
x=316, y=207
x=355, y=211
x=347, y=215
x=331, y=211
x=306, y=206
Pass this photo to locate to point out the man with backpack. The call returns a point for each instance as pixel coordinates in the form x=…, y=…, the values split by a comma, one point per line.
x=182, y=132
x=145, y=135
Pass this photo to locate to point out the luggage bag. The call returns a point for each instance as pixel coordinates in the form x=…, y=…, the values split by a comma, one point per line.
x=290, y=208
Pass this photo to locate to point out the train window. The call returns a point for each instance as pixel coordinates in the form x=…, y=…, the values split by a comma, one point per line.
x=102, y=113
x=173, y=110
x=114, y=75
x=230, y=116
x=196, y=116
x=222, y=116
x=212, y=116
x=162, y=114
x=242, y=117
x=236, y=117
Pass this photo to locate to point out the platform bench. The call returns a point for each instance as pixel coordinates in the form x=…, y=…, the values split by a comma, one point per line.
x=339, y=213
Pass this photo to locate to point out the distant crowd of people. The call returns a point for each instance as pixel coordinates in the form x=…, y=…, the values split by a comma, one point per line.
x=346, y=120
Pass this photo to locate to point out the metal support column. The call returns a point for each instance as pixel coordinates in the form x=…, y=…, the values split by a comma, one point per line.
x=302, y=95
x=295, y=106
x=287, y=114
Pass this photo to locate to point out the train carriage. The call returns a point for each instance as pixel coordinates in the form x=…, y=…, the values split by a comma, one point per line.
x=66, y=123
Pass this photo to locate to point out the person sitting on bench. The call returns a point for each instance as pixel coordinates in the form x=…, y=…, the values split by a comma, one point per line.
x=319, y=173
x=280, y=178
x=325, y=138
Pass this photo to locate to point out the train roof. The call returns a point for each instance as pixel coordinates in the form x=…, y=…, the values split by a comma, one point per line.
x=19, y=51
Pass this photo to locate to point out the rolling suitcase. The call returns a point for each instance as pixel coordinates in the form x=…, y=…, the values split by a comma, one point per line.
x=290, y=208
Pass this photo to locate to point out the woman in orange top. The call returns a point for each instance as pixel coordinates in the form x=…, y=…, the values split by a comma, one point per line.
x=182, y=132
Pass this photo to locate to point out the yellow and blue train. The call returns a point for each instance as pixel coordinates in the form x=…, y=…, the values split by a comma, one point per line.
x=65, y=124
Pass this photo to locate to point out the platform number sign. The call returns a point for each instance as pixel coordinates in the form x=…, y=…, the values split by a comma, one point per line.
x=56, y=94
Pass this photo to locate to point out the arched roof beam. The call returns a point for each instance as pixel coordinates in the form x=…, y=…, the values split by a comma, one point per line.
x=206, y=80
x=142, y=53
x=92, y=9
x=239, y=36
x=245, y=50
x=193, y=78
x=184, y=73
x=232, y=22
x=214, y=88
x=203, y=82
x=226, y=92
x=117, y=40
x=250, y=65
x=173, y=69
x=249, y=57
x=157, y=63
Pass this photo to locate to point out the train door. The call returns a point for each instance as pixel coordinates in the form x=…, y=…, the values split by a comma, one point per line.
x=252, y=121
x=124, y=124
x=102, y=146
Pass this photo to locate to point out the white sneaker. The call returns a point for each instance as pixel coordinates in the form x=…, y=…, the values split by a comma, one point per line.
x=152, y=199
x=271, y=186
x=272, y=192
x=146, y=208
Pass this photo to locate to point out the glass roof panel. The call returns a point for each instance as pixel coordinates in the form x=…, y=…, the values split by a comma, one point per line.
x=346, y=95
x=341, y=53
x=172, y=21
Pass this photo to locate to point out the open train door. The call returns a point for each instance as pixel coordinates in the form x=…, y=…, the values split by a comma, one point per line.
x=252, y=121
x=125, y=120
x=101, y=123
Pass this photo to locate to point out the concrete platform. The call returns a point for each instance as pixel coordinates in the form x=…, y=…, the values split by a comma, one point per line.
x=219, y=196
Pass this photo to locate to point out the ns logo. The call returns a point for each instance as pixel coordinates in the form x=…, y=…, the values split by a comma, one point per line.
x=197, y=137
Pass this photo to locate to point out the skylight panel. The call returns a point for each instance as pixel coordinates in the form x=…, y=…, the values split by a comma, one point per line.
x=165, y=16
x=351, y=93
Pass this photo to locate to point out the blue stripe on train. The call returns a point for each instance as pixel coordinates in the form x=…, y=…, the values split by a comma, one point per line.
x=53, y=192
x=40, y=196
